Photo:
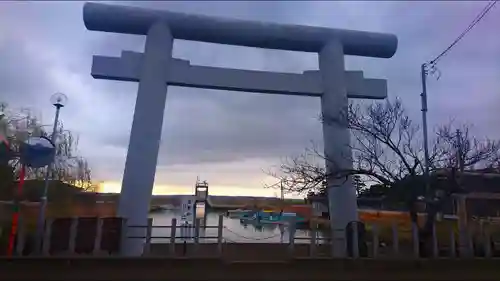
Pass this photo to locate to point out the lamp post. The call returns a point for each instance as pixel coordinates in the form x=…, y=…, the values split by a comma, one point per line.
x=59, y=101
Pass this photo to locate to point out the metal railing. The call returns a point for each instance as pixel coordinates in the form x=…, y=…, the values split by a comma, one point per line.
x=356, y=246
x=374, y=242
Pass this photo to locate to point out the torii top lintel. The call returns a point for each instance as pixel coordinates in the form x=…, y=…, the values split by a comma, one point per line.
x=132, y=20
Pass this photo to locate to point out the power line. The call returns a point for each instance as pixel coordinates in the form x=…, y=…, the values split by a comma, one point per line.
x=476, y=20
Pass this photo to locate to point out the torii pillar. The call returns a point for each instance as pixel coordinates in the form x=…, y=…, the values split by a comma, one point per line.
x=155, y=69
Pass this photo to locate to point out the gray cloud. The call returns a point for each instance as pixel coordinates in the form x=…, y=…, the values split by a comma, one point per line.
x=49, y=50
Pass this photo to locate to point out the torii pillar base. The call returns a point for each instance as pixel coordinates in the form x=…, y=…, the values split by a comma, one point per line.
x=334, y=103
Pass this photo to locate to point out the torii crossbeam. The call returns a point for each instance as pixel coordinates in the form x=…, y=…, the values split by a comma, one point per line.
x=155, y=69
x=182, y=73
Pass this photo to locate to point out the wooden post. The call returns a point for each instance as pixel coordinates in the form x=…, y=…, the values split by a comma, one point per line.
x=470, y=244
x=355, y=240
x=149, y=233
x=312, y=245
x=197, y=235
x=46, y=237
x=173, y=228
x=487, y=241
x=197, y=231
x=123, y=235
x=452, y=243
x=291, y=237
x=463, y=239
x=435, y=246
x=463, y=242
x=72, y=235
x=98, y=236
x=220, y=228
x=395, y=239
x=416, y=240
x=376, y=242
x=21, y=237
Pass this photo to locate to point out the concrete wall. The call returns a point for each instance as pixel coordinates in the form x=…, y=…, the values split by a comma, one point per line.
x=29, y=211
x=319, y=208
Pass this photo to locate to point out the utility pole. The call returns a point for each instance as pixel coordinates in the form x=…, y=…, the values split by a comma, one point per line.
x=460, y=160
x=464, y=237
x=423, y=95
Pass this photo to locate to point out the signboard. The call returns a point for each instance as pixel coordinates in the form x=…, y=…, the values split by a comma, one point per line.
x=187, y=210
x=187, y=218
x=37, y=152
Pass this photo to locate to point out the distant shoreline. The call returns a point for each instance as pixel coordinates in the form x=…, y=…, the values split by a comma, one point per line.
x=182, y=195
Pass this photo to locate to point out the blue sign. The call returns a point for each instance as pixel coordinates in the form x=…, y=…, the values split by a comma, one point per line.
x=37, y=152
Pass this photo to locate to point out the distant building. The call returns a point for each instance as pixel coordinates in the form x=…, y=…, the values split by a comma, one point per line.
x=97, y=197
x=480, y=187
x=482, y=190
x=320, y=204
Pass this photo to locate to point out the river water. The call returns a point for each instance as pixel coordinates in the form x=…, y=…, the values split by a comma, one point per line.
x=233, y=230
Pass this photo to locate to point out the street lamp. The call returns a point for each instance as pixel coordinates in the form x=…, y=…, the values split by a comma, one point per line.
x=59, y=101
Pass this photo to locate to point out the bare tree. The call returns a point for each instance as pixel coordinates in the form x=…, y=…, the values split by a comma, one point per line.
x=463, y=151
x=387, y=150
x=384, y=149
x=68, y=166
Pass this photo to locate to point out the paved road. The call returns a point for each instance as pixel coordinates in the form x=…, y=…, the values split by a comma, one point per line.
x=89, y=269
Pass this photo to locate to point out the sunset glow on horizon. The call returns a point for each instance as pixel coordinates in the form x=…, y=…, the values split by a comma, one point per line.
x=221, y=190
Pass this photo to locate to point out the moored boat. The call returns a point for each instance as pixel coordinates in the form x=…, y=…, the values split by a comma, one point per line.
x=272, y=217
x=156, y=209
x=238, y=213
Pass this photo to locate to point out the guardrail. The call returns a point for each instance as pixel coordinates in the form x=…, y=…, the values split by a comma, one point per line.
x=192, y=234
x=96, y=236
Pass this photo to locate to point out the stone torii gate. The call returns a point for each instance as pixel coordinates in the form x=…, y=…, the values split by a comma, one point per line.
x=155, y=69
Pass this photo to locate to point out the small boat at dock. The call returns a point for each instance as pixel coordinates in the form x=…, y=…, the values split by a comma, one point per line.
x=239, y=213
x=161, y=208
x=271, y=217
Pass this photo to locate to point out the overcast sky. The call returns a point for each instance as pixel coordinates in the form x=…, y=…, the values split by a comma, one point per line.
x=227, y=138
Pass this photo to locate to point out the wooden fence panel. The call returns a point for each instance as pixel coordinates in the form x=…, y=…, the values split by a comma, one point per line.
x=59, y=238
x=85, y=235
x=111, y=234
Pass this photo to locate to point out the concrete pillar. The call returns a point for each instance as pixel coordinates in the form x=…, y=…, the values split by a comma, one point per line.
x=336, y=138
x=145, y=136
